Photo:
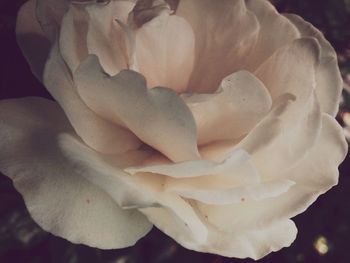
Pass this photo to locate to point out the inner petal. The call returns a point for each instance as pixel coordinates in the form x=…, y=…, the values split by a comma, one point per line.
x=232, y=112
x=165, y=52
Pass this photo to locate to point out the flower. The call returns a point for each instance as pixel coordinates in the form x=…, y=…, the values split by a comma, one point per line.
x=212, y=120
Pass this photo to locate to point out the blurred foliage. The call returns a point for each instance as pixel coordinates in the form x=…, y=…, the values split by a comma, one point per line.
x=21, y=240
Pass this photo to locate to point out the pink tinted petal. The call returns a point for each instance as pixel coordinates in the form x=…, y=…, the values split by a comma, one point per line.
x=157, y=116
x=329, y=83
x=275, y=31
x=225, y=31
x=165, y=52
x=231, y=112
x=96, y=132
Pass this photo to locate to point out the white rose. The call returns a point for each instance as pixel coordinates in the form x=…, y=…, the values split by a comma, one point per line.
x=215, y=123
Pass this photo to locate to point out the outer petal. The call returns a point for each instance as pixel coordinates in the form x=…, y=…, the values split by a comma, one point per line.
x=255, y=242
x=73, y=36
x=314, y=175
x=275, y=31
x=329, y=83
x=233, y=111
x=31, y=39
x=157, y=116
x=57, y=196
x=144, y=191
x=98, y=133
x=165, y=49
x=225, y=32
x=50, y=14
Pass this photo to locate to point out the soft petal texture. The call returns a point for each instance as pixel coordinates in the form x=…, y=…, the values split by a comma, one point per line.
x=98, y=133
x=287, y=146
x=255, y=242
x=157, y=116
x=56, y=194
x=240, y=104
x=196, y=168
x=73, y=36
x=275, y=31
x=165, y=49
x=106, y=36
x=130, y=191
x=104, y=172
x=314, y=175
x=301, y=121
x=329, y=82
x=224, y=36
x=178, y=220
x=224, y=196
x=49, y=14
x=31, y=39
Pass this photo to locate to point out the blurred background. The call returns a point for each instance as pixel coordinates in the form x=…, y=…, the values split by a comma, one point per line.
x=324, y=229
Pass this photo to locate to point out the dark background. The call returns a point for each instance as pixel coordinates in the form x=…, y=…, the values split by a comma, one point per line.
x=21, y=240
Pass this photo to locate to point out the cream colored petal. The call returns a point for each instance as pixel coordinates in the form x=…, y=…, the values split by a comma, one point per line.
x=73, y=36
x=290, y=145
x=56, y=194
x=143, y=192
x=237, y=169
x=275, y=31
x=165, y=49
x=231, y=112
x=103, y=171
x=178, y=220
x=157, y=116
x=31, y=39
x=225, y=196
x=291, y=69
x=225, y=32
x=50, y=14
x=254, y=242
x=96, y=132
x=329, y=83
x=106, y=36
x=314, y=175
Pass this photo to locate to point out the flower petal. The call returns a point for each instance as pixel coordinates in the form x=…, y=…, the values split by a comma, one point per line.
x=254, y=242
x=104, y=171
x=165, y=52
x=157, y=116
x=50, y=14
x=106, y=37
x=275, y=31
x=314, y=175
x=232, y=112
x=73, y=34
x=31, y=39
x=225, y=196
x=96, y=132
x=288, y=146
x=59, y=199
x=298, y=78
x=225, y=32
x=178, y=220
x=329, y=83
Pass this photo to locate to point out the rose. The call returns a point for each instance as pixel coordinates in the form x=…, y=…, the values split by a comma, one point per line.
x=237, y=136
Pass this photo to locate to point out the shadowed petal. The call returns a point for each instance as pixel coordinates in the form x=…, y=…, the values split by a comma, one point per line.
x=56, y=194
